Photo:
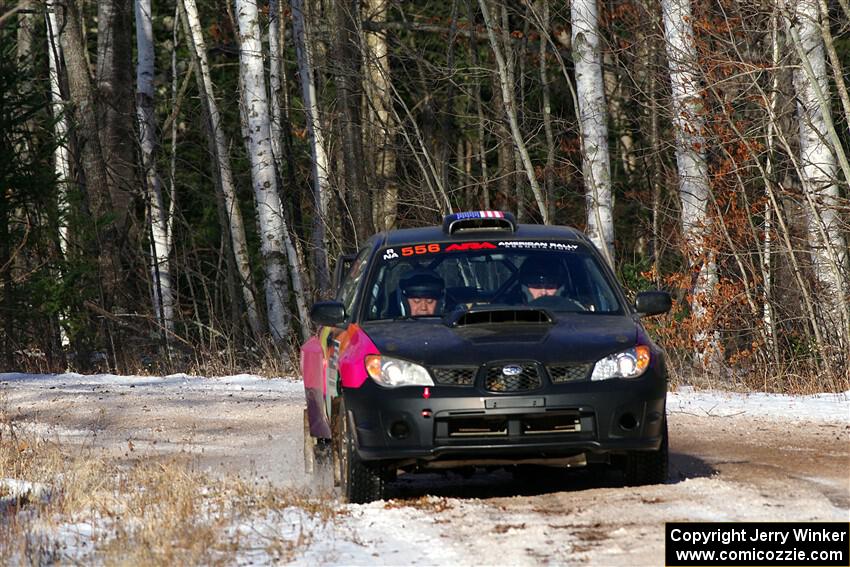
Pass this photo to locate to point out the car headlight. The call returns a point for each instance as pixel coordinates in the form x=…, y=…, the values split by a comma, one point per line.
x=630, y=363
x=394, y=372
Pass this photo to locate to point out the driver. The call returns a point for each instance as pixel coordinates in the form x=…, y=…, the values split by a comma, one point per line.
x=422, y=293
x=540, y=278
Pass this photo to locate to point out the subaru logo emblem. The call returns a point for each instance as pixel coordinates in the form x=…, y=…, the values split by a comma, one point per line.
x=512, y=370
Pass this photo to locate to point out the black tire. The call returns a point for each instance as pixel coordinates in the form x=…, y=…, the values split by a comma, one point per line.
x=648, y=467
x=359, y=483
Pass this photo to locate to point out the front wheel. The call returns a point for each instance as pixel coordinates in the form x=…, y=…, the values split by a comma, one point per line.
x=359, y=483
x=648, y=467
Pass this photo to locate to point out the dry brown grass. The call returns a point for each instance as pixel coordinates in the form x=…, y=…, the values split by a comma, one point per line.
x=221, y=356
x=148, y=512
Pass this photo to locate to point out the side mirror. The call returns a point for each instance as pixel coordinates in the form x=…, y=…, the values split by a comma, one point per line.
x=328, y=313
x=653, y=302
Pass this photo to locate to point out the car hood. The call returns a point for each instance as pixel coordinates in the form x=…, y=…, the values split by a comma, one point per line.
x=570, y=338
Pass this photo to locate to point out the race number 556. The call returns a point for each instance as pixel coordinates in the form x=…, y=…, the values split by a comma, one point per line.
x=420, y=249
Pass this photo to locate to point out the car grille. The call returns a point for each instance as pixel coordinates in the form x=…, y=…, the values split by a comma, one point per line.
x=527, y=379
x=454, y=376
x=568, y=372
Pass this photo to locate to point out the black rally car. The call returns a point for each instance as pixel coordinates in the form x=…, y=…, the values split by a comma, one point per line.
x=482, y=342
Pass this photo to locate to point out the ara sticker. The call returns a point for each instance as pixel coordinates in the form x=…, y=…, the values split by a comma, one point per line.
x=390, y=254
x=463, y=246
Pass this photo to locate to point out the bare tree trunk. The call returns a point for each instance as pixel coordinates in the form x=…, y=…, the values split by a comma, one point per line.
x=512, y=158
x=349, y=80
x=163, y=291
x=590, y=88
x=284, y=106
x=549, y=173
x=510, y=111
x=819, y=173
x=838, y=69
x=61, y=156
x=619, y=115
x=445, y=108
x=479, y=110
x=277, y=78
x=321, y=184
x=236, y=226
x=656, y=179
x=381, y=122
x=276, y=73
x=694, y=190
x=768, y=319
x=176, y=96
x=115, y=104
x=505, y=173
x=26, y=59
x=92, y=163
x=272, y=224
x=26, y=28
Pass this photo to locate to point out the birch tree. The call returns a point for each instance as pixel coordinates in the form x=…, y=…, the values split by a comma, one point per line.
x=509, y=101
x=26, y=25
x=593, y=116
x=819, y=170
x=694, y=190
x=277, y=79
x=549, y=172
x=321, y=182
x=160, y=245
x=61, y=156
x=272, y=225
x=222, y=162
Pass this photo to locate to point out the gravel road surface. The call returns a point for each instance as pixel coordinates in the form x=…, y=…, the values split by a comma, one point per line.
x=744, y=466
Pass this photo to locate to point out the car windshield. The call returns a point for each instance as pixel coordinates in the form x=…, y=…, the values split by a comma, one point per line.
x=557, y=276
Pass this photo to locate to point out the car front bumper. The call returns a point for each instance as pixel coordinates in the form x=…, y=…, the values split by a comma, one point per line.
x=408, y=425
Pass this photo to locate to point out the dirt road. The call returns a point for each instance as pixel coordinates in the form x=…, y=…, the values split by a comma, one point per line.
x=739, y=467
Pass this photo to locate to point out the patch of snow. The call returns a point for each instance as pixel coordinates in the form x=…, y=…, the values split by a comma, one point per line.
x=13, y=490
x=833, y=408
x=72, y=381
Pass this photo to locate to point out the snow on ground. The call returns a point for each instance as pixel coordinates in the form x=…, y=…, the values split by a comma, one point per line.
x=820, y=407
x=834, y=408
x=481, y=520
x=72, y=381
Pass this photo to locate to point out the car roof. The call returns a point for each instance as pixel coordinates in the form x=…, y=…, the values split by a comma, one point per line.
x=523, y=232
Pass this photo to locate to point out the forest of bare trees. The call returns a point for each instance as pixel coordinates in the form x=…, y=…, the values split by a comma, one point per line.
x=177, y=202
